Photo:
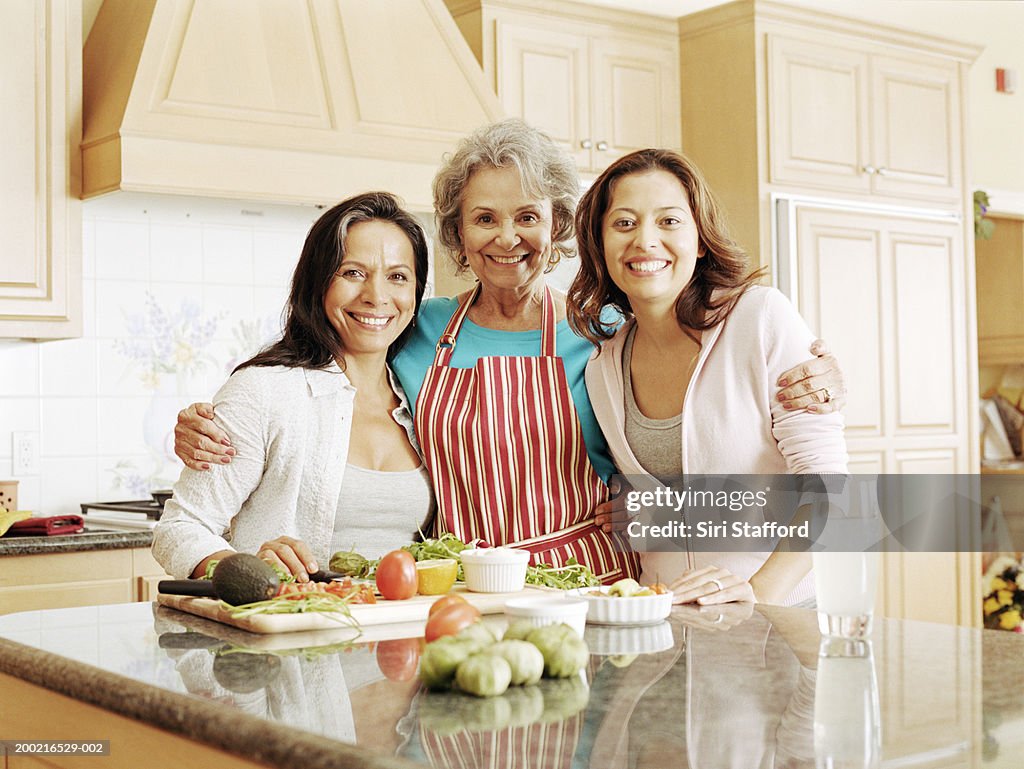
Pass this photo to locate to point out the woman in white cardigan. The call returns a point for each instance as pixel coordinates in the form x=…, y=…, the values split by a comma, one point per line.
x=326, y=455
x=687, y=384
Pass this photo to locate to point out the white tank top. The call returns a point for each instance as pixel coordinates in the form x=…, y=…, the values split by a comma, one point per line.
x=380, y=511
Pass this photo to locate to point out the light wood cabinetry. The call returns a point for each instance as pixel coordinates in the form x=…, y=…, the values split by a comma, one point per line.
x=783, y=100
x=84, y=578
x=602, y=83
x=40, y=214
x=1000, y=271
x=31, y=712
x=836, y=147
x=845, y=118
x=293, y=101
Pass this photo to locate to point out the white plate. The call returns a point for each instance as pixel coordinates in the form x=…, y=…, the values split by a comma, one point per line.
x=635, y=610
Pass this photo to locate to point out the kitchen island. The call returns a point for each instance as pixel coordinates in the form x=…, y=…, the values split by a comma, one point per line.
x=744, y=687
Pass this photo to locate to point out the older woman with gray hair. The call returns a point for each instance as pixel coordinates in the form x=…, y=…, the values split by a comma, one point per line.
x=507, y=431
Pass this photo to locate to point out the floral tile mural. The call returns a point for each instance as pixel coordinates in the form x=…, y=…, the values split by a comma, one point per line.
x=168, y=349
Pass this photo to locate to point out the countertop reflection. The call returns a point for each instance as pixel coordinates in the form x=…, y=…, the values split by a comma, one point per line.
x=739, y=687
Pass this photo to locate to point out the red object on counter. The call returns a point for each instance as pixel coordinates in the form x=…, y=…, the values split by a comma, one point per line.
x=50, y=526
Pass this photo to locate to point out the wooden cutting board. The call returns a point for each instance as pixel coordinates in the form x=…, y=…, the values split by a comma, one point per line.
x=383, y=612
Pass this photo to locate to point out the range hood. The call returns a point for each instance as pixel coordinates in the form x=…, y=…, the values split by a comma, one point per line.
x=302, y=101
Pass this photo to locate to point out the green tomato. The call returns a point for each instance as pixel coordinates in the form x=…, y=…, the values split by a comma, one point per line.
x=478, y=635
x=483, y=674
x=518, y=630
x=524, y=658
x=564, y=652
x=440, y=659
x=563, y=698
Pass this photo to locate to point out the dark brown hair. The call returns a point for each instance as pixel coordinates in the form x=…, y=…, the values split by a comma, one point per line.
x=720, y=276
x=309, y=339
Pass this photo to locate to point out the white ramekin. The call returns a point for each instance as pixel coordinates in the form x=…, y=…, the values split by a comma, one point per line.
x=495, y=569
x=549, y=610
x=634, y=610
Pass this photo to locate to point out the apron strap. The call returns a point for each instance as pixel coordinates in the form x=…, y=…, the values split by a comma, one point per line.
x=446, y=344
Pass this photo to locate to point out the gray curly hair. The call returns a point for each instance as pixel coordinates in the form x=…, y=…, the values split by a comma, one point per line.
x=546, y=170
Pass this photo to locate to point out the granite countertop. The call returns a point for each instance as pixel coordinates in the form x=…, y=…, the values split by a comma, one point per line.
x=737, y=689
x=89, y=539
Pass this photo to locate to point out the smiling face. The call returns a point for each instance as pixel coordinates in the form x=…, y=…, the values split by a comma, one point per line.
x=651, y=243
x=372, y=297
x=506, y=235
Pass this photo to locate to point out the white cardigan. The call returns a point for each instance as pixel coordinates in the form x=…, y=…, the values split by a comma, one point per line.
x=291, y=428
x=733, y=423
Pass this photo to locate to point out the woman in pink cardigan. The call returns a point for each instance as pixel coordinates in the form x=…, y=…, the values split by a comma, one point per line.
x=687, y=384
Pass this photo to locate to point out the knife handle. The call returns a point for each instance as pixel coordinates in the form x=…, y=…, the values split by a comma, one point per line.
x=202, y=588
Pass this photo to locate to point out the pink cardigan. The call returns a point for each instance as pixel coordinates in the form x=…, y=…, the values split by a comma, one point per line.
x=732, y=421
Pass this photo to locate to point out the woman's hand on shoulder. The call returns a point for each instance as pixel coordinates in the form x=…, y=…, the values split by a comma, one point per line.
x=198, y=441
x=291, y=555
x=711, y=585
x=816, y=384
x=612, y=515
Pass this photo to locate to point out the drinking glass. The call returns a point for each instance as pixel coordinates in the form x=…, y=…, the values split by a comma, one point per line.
x=846, y=584
x=847, y=720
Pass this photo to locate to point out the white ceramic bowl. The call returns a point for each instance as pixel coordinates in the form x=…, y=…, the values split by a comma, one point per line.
x=635, y=610
x=495, y=569
x=629, y=639
x=549, y=610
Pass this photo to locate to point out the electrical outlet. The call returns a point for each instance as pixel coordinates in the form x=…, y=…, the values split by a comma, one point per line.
x=25, y=453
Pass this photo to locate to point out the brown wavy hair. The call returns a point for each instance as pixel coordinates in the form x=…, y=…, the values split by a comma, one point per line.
x=309, y=339
x=720, y=276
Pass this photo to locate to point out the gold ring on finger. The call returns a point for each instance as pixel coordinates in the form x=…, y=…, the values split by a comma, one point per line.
x=717, y=584
x=826, y=394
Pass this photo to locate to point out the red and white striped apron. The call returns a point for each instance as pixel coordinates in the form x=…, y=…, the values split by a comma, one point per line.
x=506, y=455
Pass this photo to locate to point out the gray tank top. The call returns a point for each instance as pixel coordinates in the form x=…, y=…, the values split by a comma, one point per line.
x=656, y=443
x=380, y=511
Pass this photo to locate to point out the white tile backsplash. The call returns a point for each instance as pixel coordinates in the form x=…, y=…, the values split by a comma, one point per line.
x=177, y=291
x=16, y=414
x=122, y=250
x=67, y=427
x=177, y=252
x=227, y=255
x=275, y=254
x=68, y=367
x=19, y=368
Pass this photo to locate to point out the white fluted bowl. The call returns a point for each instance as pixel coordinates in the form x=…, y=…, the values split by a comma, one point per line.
x=634, y=610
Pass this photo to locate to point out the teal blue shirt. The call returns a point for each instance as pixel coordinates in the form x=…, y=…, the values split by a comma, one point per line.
x=410, y=365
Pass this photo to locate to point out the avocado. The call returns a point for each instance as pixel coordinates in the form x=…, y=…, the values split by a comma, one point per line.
x=245, y=673
x=242, y=578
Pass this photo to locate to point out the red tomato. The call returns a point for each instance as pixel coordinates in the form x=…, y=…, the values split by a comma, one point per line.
x=398, y=658
x=450, y=620
x=450, y=599
x=396, y=575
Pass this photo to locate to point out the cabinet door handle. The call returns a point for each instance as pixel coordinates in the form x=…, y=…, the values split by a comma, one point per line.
x=883, y=171
x=586, y=144
x=870, y=170
x=602, y=146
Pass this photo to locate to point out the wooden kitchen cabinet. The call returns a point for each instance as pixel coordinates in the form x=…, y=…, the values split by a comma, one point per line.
x=40, y=213
x=849, y=119
x=83, y=578
x=600, y=82
x=1000, y=282
x=785, y=100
